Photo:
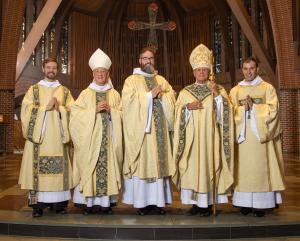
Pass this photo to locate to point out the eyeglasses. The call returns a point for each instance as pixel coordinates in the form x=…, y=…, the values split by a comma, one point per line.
x=146, y=58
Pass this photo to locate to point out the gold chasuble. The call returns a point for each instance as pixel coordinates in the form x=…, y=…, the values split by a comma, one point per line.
x=45, y=165
x=97, y=138
x=148, y=153
x=259, y=163
x=203, y=142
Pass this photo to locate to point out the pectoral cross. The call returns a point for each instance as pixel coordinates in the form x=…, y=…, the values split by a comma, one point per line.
x=152, y=25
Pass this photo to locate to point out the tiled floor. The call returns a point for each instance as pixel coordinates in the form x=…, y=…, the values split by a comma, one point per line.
x=13, y=208
x=14, y=199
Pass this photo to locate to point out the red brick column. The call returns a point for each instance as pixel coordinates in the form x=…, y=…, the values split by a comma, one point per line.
x=287, y=73
x=12, y=17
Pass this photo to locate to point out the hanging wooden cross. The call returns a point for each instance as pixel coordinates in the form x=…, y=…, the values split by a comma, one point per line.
x=152, y=25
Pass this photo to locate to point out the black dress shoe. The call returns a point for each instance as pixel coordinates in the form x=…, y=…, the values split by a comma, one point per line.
x=37, y=213
x=259, y=213
x=87, y=211
x=107, y=210
x=245, y=211
x=143, y=211
x=160, y=211
x=205, y=212
x=193, y=210
x=51, y=207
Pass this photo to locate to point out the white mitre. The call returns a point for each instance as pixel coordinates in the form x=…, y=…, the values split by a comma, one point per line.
x=99, y=59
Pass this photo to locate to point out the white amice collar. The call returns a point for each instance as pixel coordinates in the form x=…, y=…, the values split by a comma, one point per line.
x=50, y=84
x=256, y=81
x=96, y=87
x=196, y=83
x=141, y=72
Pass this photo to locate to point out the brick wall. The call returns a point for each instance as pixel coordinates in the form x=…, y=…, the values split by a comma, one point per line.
x=7, y=107
x=288, y=73
x=290, y=117
x=12, y=15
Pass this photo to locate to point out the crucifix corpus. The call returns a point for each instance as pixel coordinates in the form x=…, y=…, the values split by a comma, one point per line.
x=152, y=25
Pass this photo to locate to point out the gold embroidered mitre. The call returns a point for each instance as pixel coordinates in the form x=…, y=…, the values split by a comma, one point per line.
x=201, y=57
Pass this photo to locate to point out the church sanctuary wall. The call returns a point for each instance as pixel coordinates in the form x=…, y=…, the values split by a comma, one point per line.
x=125, y=52
x=11, y=19
x=197, y=29
x=123, y=45
x=84, y=41
x=288, y=73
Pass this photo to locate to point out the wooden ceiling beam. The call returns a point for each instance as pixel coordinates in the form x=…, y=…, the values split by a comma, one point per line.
x=35, y=34
x=244, y=20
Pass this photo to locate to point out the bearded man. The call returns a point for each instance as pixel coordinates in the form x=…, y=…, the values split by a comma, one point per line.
x=148, y=117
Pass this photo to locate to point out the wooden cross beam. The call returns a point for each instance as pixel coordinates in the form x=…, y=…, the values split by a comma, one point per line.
x=252, y=35
x=35, y=34
x=152, y=25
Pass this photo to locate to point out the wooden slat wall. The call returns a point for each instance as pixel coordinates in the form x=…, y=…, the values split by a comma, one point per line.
x=196, y=30
x=124, y=49
x=176, y=71
x=84, y=41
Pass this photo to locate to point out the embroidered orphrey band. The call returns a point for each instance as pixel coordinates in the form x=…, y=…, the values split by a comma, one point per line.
x=101, y=166
x=160, y=130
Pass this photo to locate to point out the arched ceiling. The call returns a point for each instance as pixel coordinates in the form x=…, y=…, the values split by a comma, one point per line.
x=94, y=6
x=193, y=5
x=90, y=6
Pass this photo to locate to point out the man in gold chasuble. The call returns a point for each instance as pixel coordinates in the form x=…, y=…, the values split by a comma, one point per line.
x=46, y=170
x=96, y=130
x=148, y=117
x=203, y=139
x=259, y=163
